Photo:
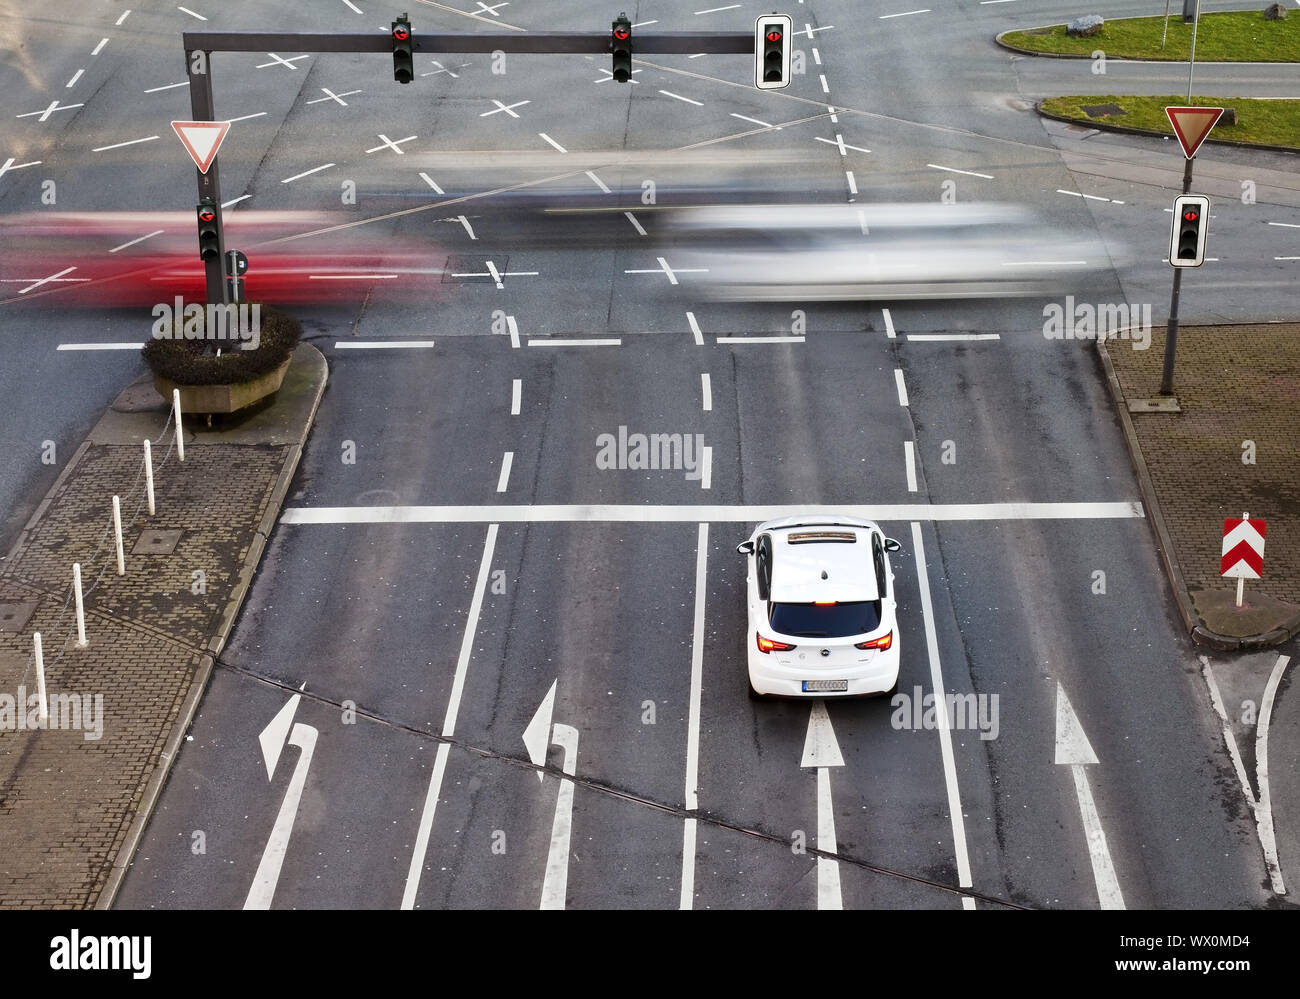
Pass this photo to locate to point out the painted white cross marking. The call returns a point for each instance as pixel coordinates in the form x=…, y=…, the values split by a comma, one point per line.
x=45, y=115
x=497, y=275
x=283, y=62
x=808, y=30
x=491, y=8
x=841, y=144
x=504, y=107
x=389, y=143
x=672, y=273
x=443, y=69
x=53, y=277
x=331, y=96
x=609, y=76
x=10, y=165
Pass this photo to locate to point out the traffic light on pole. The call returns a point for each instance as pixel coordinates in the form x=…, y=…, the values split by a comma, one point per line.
x=772, y=51
x=209, y=245
x=620, y=42
x=403, y=65
x=1191, y=220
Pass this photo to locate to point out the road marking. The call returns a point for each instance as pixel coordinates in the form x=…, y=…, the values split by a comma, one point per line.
x=703, y=513
x=755, y=121
x=941, y=717
x=693, y=718
x=968, y=173
x=555, y=342
x=336, y=98
x=555, y=884
x=1090, y=197
x=1075, y=751
x=382, y=344
x=706, y=467
x=672, y=273
x=125, y=15
x=448, y=726
x=516, y=391
x=276, y=60
x=706, y=391
x=695, y=329
x=507, y=108
x=759, y=339
x=1287, y=225
x=9, y=165
x=100, y=47
x=909, y=456
x=853, y=184
x=138, y=239
x=513, y=327
x=465, y=222
x=429, y=180
x=642, y=24
x=48, y=280
x=983, y=2
x=817, y=56
x=235, y=201
x=186, y=10
x=552, y=142
x=77, y=76
x=1265, y=814
x=443, y=69
x=609, y=75
x=902, y=388
x=386, y=142
x=352, y=277
x=889, y=325
x=688, y=100
x=688, y=865
x=954, y=336
x=492, y=8
x=826, y=87
x=306, y=173
x=246, y=117
x=100, y=346
x=45, y=115
x=840, y=144
x=354, y=7
x=716, y=10
x=598, y=182
x=635, y=224
x=497, y=275
x=119, y=145
x=504, y=478
x=885, y=17
x=821, y=750
x=808, y=30
x=1167, y=260
x=262, y=890
x=170, y=86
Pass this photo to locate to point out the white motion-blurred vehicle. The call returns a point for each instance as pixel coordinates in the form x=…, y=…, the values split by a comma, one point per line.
x=817, y=252
x=821, y=608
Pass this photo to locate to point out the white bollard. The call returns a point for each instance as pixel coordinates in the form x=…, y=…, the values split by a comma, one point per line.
x=148, y=476
x=117, y=536
x=180, y=432
x=40, y=678
x=81, y=607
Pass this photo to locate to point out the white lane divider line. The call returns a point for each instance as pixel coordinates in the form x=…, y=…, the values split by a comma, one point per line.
x=755, y=121
x=688, y=100
x=186, y=10
x=448, y=725
x=516, y=393
x=1075, y=751
x=598, y=182
x=504, y=479
x=1286, y=225
x=826, y=87
x=353, y=7
x=889, y=325
x=1090, y=197
x=706, y=467
x=552, y=142
x=1267, y=835
x=465, y=222
x=170, y=86
x=695, y=329
x=235, y=201
x=550, y=341
x=948, y=337
x=382, y=344
x=429, y=180
x=692, y=800
x=944, y=723
x=119, y=145
x=246, y=117
x=968, y=173
x=100, y=346
x=635, y=224
x=902, y=388
x=8, y=165
x=909, y=456
x=125, y=15
x=717, y=10
x=853, y=184
x=306, y=173
x=138, y=239
x=706, y=391
x=75, y=77
x=759, y=339
x=100, y=47
x=513, y=327
x=906, y=13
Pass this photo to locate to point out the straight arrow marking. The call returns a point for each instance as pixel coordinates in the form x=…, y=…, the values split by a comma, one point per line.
x=1074, y=750
x=555, y=886
x=821, y=750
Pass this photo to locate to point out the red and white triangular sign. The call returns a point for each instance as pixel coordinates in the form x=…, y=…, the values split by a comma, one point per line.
x=1192, y=125
x=201, y=140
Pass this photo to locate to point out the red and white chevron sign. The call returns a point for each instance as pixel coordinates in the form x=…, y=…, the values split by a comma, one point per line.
x=1243, y=548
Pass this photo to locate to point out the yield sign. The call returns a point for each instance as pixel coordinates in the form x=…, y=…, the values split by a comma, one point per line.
x=201, y=140
x=1243, y=548
x=1192, y=125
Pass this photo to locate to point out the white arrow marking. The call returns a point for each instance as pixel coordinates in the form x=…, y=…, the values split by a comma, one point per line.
x=556, y=883
x=272, y=740
x=535, y=733
x=1074, y=750
x=821, y=750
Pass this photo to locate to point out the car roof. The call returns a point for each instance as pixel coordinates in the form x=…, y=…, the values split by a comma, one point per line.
x=801, y=553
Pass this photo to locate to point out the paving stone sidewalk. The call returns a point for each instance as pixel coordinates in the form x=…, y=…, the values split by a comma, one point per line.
x=75, y=795
x=1239, y=391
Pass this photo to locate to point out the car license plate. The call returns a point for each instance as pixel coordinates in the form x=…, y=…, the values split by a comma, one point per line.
x=810, y=686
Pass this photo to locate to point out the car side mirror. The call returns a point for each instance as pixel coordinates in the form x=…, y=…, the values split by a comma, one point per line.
x=892, y=546
x=745, y=548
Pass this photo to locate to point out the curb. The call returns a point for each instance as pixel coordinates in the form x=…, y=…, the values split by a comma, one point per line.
x=153, y=790
x=1131, y=130
x=1200, y=634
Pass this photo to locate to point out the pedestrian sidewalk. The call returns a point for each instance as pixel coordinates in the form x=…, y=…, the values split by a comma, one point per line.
x=76, y=794
x=1233, y=448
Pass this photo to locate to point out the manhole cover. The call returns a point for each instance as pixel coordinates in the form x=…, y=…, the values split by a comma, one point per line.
x=14, y=616
x=1160, y=404
x=156, y=542
x=1103, y=110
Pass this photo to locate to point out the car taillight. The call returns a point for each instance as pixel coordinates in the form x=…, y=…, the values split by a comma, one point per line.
x=771, y=645
x=883, y=642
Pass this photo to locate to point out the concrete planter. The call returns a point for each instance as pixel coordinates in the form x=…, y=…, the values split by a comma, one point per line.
x=223, y=398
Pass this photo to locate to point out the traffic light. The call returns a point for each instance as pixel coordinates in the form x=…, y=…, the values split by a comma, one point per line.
x=772, y=51
x=1191, y=219
x=209, y=245
x=403, y=65
x=620, y=43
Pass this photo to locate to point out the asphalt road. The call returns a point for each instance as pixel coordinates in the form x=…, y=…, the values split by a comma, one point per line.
x=445, y=636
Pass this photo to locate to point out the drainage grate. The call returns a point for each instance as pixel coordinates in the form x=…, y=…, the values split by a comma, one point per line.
x=157, y=542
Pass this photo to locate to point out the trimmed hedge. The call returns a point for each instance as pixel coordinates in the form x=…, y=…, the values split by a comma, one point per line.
x=189, y=362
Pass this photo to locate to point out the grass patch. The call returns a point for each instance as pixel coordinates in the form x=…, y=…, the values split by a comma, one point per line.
x=1272, y=123
x=1227, y=36
x=187, y=362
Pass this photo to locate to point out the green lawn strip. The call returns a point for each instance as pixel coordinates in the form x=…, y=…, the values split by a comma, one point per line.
x=1270, y=123
x=1228, y=36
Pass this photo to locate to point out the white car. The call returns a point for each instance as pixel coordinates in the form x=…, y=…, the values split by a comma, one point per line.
x=821, y=608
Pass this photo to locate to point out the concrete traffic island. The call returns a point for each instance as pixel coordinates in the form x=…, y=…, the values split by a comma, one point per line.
x=76, y=793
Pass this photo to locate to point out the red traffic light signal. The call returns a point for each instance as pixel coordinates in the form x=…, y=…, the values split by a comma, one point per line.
x=1191, y=215
x=774, y=36
x=400, y=32
x=207, y=215
x=622, y=33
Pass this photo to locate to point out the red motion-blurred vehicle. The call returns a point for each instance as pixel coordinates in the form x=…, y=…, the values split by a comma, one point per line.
x=119, y=259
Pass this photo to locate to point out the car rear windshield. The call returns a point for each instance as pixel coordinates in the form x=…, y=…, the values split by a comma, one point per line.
x=826, y=621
